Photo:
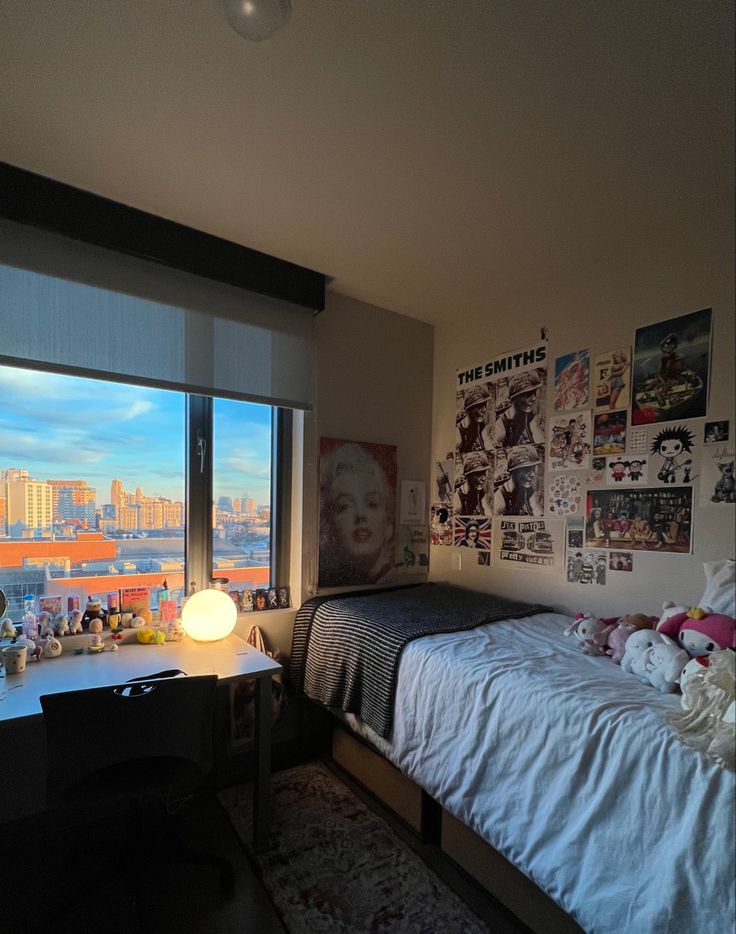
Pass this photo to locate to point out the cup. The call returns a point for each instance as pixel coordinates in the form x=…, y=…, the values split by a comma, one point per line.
x=14, y=658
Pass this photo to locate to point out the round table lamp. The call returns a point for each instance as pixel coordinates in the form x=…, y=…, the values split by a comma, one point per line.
x=209, y=615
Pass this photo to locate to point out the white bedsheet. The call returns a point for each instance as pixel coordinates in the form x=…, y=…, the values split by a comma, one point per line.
x=565, y=765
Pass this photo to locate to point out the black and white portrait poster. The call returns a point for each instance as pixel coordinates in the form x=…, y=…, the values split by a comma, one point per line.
x=672, y=369
x=655, y=519
x=444, y=479
x=530, y=543
x=500, y=435
x=357, y=508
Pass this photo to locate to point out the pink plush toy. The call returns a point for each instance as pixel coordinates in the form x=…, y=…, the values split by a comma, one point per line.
x=623, y=629
x=591, y=631
x=699, y=631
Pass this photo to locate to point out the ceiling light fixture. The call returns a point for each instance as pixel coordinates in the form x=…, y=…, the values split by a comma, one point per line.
x=257, y=20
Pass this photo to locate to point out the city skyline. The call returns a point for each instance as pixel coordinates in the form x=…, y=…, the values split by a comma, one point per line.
x=63, y=427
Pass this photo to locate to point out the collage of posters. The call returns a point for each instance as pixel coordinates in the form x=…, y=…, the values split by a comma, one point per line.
x=500, y=433
x=612, y=471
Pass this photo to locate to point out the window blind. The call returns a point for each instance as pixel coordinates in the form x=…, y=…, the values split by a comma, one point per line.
x=75, y=307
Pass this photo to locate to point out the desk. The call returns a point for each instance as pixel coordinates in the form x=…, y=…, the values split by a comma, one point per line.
x=230, y=659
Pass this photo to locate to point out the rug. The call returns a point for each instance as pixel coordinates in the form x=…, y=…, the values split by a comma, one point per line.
x=333, y=865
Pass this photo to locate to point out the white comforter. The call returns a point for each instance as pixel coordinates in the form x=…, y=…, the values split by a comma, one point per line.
x=565, y=764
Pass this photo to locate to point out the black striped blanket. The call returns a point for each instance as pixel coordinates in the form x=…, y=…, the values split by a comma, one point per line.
x=346, y=647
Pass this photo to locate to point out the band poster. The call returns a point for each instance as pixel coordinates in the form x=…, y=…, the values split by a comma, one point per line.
x=500, y=437
x=672, y=369
x=532, y=543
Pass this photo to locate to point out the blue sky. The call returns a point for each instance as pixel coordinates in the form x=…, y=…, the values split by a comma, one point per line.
x=66, y=428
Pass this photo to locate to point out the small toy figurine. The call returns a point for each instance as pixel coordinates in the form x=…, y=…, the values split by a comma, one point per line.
x=46, y=625
x=94, y=611
x=95, y=643
x=61, y=624
x=8, y=629
x=75, y=623
x=52, y=649
x=138, y=622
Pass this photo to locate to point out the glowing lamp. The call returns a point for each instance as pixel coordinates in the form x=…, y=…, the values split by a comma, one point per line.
x=209, y=615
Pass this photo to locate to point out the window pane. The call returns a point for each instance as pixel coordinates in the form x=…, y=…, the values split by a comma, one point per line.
x=241, y=484
x=91, y=489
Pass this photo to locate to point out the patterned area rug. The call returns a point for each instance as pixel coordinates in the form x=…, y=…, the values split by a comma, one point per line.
x=334, y=866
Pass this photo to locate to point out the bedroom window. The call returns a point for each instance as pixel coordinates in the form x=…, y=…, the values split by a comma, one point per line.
x=101, y=492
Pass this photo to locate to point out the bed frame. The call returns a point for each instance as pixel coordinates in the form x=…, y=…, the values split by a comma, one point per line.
x=500, y=878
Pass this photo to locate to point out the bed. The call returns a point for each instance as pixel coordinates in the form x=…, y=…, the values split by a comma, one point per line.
x=560, y=761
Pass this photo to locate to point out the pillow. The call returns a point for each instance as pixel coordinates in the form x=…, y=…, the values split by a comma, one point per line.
x=720, y=587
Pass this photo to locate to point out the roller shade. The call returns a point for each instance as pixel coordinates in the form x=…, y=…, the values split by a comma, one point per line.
x=75, y=307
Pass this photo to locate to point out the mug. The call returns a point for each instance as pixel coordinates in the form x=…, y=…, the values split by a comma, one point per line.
x=14, y=658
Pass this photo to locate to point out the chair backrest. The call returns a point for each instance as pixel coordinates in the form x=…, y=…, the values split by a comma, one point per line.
x=96, y=728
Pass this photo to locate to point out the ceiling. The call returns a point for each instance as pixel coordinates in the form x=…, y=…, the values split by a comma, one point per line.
x=426, y=155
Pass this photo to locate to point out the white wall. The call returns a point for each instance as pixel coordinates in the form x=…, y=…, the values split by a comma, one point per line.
x=600, y=310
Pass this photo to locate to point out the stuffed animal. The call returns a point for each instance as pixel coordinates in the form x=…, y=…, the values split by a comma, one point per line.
x=61, y=624
x=46, y=625
x=75, y=623
x=699, y=631
x=93, y=613
x=637, y=645
x=621, y=632
x=692, y=667
x=664, y=666
x=8, y=629
x=591, y=632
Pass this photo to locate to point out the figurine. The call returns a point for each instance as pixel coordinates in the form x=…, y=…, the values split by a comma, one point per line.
x=52, y=649
x=46, y=625
x=75, y=623
x=61, y=624
x=8, y=629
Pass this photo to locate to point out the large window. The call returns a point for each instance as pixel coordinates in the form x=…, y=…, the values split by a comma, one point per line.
x=96, y=482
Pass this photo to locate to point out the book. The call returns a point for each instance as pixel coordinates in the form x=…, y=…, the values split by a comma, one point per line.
x=135, y=598
x=51, y=605
x=72, y=603
x=168, y=610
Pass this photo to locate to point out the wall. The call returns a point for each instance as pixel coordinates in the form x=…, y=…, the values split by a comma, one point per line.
x=374, y=383
x=609, y=298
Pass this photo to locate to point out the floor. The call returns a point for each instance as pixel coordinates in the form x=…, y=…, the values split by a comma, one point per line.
x=88, y=891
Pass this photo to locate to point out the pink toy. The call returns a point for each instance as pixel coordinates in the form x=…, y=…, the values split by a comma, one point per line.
x=623, y=629
x=699, y=631
x=591, y=631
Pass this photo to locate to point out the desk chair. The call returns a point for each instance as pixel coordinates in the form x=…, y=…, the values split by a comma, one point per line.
x=129, y=743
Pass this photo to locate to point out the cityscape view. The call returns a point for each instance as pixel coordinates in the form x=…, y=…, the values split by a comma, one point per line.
x=92, y=489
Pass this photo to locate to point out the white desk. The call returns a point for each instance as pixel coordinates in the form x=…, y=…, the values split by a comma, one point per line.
x=230, y=659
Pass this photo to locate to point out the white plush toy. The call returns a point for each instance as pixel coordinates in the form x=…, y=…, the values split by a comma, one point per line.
x=46, y=625
x=691, y=668
x=591, y=632
x=62, y=624
x=637, y=645
x=664, y=666
x=75, y=623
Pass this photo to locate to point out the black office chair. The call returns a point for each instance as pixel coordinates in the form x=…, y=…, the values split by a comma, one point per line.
x=146, y=740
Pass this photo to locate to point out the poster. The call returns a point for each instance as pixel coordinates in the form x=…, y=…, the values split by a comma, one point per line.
x=470, y=532
x=440, y=524
x=356, y=512
x=609, y=433
x=572, y=381
x=650, y=519
x=585, y=566
x=715, y=432
x=500, y=435
x=623, y=470
x=565, y=495
x=570, y=439
x=717, y=483
x=412, y=502
x=612, y=380
x=532, y=543
x=620, y=561
x=673, y=455
x=672, y=369
x=444, y=479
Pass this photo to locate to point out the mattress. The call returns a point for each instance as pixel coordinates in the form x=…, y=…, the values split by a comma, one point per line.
x=568, y=767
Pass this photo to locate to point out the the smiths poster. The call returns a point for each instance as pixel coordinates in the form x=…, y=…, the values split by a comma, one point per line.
x=500, y=435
